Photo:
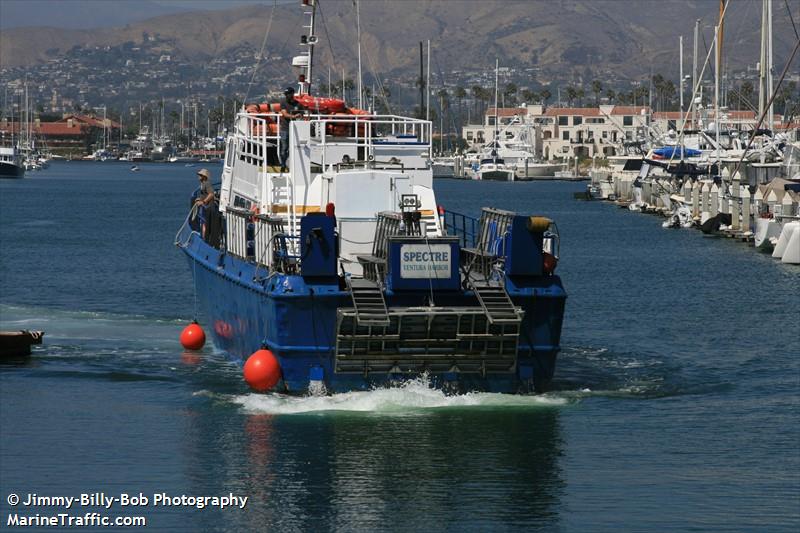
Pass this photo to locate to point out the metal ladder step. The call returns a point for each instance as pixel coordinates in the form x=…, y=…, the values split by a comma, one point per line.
x=368, y=302
x=496, y=303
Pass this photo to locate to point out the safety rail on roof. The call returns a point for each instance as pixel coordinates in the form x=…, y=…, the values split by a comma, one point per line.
x=371, y=134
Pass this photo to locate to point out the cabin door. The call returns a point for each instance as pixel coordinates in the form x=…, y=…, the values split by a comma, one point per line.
x=399, y=186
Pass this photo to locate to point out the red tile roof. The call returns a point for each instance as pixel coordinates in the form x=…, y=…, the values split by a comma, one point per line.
x=671, y=115
x=53, y=129
x=91, y=121
x=629, y=110
x=507, y=111
x=582, y=111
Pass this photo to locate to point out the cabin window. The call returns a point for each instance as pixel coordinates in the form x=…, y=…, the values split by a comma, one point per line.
x=671, y=125
x=627, y=120
x=577, y=121
x=563, y=121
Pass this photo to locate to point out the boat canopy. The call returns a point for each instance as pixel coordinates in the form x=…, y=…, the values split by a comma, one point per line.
x=675, y=151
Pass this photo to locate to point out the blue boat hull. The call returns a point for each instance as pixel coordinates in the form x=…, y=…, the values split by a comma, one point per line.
x=296, y=319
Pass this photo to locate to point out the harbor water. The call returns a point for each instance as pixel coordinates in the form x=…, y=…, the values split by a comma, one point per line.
x=676, y=404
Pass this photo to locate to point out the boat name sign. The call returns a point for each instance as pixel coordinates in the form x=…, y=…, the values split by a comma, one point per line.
x=425, y=261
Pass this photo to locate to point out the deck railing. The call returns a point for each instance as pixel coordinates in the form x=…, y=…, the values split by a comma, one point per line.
x=462, y=226
x=364, y=132
x=261, y=240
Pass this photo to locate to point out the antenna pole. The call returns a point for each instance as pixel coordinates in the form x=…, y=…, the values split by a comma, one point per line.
x=358, y=33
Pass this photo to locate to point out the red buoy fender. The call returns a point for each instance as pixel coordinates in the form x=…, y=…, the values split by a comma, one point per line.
x=193, y=337
x=262, y=370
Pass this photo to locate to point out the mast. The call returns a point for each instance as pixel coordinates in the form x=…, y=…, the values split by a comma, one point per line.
x=680, y=45
x=720, y=32
x=769, y=63
x=27, y=119
x=421, y=84
x=310, y=41
x=694, y=73
x=716, y=88
x=496, y=133
x=358, y=33
x=428, y=85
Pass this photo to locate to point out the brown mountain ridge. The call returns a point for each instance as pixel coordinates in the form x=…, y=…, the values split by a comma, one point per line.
x=626, y=37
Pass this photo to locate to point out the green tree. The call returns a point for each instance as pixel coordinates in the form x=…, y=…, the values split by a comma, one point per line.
x=546, y=94
x=460, y=94
x=510, y=94
x=572, y=94
x=746, y=92
x=529, y=96
x=597, y=88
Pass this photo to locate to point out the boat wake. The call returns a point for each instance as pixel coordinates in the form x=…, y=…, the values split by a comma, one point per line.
x=408, y=398
x=586, y=372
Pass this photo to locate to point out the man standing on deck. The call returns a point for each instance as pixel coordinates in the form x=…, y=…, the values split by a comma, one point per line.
x=205, y=198
x=290, y=110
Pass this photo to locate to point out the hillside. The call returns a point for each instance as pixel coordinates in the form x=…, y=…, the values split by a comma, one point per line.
x=564, y=36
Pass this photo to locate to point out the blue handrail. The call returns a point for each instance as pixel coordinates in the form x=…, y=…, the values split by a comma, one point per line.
x=462, y=226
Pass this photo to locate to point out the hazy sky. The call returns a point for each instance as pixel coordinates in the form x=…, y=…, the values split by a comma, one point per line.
x=84, y=14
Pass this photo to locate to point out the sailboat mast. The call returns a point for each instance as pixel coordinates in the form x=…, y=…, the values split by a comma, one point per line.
x=428, y=85
x=680, y=54
x=421, y=84
x=496, y=80
x=769, y=63
x=680, y=45
x=720, y=32
x=694, y=72
x=716, y=88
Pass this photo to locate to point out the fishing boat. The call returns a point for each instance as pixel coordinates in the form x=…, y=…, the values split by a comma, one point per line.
x=11, y=163
x=346, y=271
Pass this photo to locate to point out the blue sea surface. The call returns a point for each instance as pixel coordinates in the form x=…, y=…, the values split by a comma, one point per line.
x=676, y=404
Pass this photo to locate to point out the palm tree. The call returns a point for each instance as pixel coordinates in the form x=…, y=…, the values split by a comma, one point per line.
x=510, y=93
x=348, y=87
x=460, y=94
x=597, y=87
x=545, y=94
x=611, y=95
x=529, y=96
x=571, y=95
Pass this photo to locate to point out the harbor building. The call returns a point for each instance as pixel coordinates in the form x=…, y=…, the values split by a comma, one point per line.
x=568, y=132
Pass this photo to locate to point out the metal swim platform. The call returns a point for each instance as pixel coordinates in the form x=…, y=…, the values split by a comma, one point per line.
x=419, y=339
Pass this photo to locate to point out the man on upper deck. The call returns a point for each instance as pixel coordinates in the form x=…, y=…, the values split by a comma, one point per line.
x=290, y=110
